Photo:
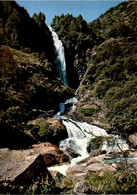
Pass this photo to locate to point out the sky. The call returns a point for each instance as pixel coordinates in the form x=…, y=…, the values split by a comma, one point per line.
x=89, y=9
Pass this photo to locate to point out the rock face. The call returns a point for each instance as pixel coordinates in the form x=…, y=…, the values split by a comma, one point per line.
x=21, y=166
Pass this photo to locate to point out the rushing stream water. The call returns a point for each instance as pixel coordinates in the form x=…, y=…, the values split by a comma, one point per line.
x=81, y=139
x=81, y=135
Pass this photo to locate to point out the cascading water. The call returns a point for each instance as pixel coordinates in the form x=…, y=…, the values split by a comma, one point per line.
x=60, y=56
x=81, y=135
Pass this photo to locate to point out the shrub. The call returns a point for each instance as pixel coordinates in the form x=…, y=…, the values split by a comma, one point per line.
x=88, y=111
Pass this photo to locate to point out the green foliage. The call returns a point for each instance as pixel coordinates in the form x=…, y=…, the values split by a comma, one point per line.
x=43, y=184
x=119, y=183
x=20, y=31
x=88, y=111
x=50, y=132
x=27, y=82
x=112, y=78
x=40, y=19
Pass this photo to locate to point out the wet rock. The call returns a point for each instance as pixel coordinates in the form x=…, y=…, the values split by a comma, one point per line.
x=71, y=171
x=133, y=139
x=51, y=154
x=97, y=159
x=96, y=152
x=72, y=152
x=82, y=187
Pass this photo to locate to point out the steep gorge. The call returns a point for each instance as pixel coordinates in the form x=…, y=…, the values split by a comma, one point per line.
x=107, y=92
x=101, y=65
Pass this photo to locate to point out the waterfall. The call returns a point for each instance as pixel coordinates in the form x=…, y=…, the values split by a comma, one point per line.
x=60, y=56
x=82, y=136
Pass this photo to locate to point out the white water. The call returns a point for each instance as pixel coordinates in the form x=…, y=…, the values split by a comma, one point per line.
x=60, y=56
x=80, y=135
x=72, y=101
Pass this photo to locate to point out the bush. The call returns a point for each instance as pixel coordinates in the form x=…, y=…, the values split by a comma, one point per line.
x=88, y=111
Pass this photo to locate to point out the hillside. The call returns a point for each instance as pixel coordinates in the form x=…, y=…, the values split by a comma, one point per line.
x=105, y=51
x=28, y=77
x=108, y=90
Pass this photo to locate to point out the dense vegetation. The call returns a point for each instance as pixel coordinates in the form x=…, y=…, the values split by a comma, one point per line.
x=103, y=54
x=111, y=76
x=107, y=48
x=20, y=31
x=27, y=73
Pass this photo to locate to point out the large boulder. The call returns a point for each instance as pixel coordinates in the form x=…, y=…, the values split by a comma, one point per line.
x=99, y=166
x=96, y=159
x=50, y=153
x=133, y=139
x=20, y=166
x=96, y=152
x=72, y=171
x=50, y=129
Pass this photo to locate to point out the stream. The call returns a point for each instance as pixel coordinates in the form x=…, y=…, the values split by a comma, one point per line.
x=82, y=137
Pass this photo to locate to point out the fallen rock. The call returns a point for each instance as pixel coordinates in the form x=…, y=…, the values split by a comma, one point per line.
x=95, y=167
x=71, y=171
x=51, y=154
x=96, y=159
x=20, y=166
x=132, y=153
x=98, y=167
x=72, y=152
x=97, y=152
x=80, y=176
x=133, y=139
x=82, y=187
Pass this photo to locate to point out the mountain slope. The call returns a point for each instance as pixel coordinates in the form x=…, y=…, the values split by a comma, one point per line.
x=28, y=78
x=108, y=90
